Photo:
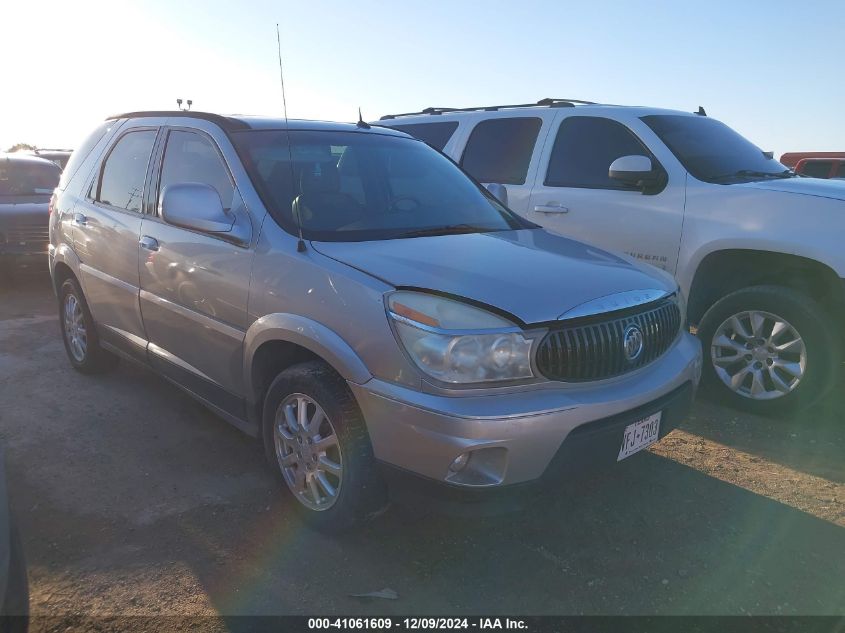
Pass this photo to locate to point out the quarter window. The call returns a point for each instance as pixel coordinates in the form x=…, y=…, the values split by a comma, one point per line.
x=499, y=150
x=584, y=149
x=435, y=134
x=125, y=170
x=191, y=157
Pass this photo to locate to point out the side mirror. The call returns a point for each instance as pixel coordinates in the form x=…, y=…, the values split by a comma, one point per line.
x=193, y=205
x=499, y=191
x=636, y=171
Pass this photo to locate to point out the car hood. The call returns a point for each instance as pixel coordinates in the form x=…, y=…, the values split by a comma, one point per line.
x=532, y=274
x=834, y=189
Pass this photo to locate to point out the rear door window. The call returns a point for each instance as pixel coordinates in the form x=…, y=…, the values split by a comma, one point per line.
x=124, y=171
x=584, y=149
x=435, y=134
x=499, y=150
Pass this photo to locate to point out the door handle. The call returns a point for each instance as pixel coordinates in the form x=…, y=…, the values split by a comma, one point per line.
x=148, y=243
x=551, y=208
x=79, y=219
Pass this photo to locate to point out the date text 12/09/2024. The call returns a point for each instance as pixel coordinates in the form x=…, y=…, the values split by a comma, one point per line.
x=413, y=624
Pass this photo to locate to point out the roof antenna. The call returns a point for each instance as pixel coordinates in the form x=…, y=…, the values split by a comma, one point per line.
x=361, y=122
x=701, y=111
x=300, y=245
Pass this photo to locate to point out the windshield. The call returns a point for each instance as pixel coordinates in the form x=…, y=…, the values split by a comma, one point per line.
x=27, y=177
x=713, y=152
x=353, y=186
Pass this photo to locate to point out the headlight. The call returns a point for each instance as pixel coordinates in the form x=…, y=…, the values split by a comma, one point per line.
x=457, y=343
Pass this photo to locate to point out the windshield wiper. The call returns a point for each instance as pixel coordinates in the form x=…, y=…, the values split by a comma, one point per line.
x=752, y=173
x=451, y=229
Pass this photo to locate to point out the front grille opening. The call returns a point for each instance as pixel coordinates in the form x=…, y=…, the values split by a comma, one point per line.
x=597, y=350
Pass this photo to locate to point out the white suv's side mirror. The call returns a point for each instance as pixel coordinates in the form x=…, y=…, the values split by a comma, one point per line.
x=637, y=171
x=499, y=191
x=197, y=206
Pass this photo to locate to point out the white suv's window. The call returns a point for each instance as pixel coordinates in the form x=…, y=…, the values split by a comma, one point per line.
x=584, y=149
x=190, y=157
x=125, y=170
x=499, y=150
x=435, y=134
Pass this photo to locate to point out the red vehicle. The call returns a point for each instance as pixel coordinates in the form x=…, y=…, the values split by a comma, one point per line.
x=816, y=164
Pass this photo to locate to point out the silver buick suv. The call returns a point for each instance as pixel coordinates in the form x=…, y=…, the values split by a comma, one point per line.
x=380, y=321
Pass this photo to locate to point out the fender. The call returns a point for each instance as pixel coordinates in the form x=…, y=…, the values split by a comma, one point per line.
x=64, y=254
x=687, y=269
x=311, y=335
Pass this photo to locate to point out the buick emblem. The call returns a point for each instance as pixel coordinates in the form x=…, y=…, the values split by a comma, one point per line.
x=632, y=342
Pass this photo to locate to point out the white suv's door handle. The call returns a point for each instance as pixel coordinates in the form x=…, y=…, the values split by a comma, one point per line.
x=551, y=208
x=148, y=243
x=79, y=219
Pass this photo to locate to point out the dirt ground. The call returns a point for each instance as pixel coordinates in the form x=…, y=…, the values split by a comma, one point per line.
x=133, y=499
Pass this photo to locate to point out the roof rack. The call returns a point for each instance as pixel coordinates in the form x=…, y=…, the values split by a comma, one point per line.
x=227, y=123
x=552, y=103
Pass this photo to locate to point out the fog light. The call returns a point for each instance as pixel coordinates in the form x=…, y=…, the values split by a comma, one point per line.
x=459, y=463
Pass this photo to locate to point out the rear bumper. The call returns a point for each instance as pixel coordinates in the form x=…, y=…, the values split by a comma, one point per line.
x=515, y=437
x=589, y=449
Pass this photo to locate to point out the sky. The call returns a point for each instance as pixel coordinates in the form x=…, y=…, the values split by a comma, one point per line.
x=772, y=70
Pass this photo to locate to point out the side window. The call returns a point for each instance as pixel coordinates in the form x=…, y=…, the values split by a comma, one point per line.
x=435, y=134
x=499, y=150
x=584, y=149
x=125, y=170
x=191, y=157
x=817, y=168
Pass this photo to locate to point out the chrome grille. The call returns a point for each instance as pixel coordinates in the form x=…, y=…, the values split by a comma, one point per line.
x=32, y=234
x=594, y=349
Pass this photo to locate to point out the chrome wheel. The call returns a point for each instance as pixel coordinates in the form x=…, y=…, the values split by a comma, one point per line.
x=74, y=324
x=308, y=452
x=758, y=355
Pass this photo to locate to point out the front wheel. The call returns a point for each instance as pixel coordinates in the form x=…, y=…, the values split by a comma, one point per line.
x=317, y=442
x=768, y=349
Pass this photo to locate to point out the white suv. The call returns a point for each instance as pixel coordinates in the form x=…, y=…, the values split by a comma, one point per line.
x=757, y=249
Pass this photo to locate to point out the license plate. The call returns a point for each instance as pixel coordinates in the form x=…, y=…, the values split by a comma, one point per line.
x=640, y=435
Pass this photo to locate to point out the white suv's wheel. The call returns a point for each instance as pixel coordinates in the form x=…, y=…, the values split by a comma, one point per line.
x=768, y=348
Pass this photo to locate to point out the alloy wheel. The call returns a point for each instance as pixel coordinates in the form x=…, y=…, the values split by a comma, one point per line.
x=308, y=452
x=758, y=355
x=74, y=326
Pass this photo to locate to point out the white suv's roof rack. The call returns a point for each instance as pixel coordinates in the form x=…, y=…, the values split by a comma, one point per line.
x=552, y=103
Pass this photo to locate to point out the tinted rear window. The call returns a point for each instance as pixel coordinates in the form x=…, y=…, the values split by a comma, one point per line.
x=27, y=177
x=435, y=134
x=499, y=150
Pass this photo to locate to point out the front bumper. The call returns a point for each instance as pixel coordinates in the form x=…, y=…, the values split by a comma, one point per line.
x=523, y=433
x=23, y=257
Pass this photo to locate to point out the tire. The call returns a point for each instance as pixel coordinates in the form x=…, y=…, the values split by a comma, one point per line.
x=88, y=358
x=360, y=492
x=777, y=361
